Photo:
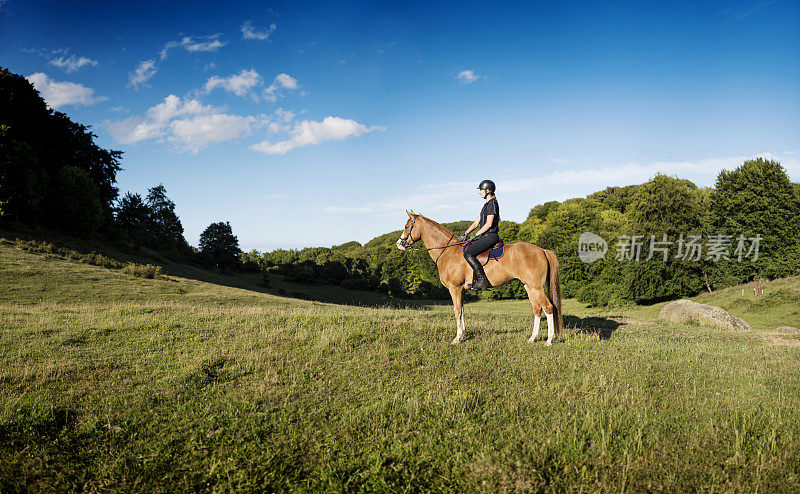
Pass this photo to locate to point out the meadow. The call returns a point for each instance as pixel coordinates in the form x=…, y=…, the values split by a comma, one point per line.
x=113, y=382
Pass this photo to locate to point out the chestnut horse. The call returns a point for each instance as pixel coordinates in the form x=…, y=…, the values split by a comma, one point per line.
x=522, y=261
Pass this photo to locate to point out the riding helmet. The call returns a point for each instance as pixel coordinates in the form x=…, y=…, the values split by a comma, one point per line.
x=487, y=184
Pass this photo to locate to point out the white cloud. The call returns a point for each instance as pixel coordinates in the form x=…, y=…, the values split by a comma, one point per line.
x=185, y=123
x=196, y=133
x=58, y=94
x=282, y=120
x=249, y=33
x=143, y=73
x=281, y=81
x=72, y=63
x=467, y=77
x=194, y=44
x=240, y=84
x=310, y=132
x=244, y=83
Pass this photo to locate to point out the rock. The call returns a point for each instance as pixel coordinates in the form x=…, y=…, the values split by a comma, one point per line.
x=787, y=329
x=684, y=311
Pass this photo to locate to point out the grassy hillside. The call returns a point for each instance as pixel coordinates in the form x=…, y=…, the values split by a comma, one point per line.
x=112, y=382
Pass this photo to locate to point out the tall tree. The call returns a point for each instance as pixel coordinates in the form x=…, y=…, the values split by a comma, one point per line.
x=133, y=216
x=758, y=198
x=167, y=229
x=219, y=245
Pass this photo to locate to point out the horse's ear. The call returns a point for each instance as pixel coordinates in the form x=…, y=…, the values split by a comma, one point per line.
x=409, y=214
x=415, y=214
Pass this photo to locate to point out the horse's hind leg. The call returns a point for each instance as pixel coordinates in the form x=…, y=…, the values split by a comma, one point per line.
x=543, y=302
x=537, y=313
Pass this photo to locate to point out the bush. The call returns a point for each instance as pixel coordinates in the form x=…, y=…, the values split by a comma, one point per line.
x=142, y=270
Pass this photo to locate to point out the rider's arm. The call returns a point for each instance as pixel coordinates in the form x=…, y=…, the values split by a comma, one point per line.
x=489, y=220
x=474, y=225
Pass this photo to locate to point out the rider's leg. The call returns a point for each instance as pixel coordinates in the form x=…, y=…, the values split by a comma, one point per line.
x=479, y=279
x=486, y=242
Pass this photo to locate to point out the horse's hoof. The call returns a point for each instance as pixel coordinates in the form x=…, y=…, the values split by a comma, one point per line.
x=531, y=340
x=455, y=341
x=549, y=343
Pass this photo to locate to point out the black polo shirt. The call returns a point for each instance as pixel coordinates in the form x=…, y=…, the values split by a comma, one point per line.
x=491, y=207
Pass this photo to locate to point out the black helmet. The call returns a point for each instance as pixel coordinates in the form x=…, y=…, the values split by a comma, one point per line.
x=487, y=184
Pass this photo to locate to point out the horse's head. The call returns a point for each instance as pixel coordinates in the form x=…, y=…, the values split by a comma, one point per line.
x=411, y=232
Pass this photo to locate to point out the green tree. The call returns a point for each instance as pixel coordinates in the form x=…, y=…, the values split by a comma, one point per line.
x=663, y=206
x=220, y=246
x=616, y=198
x=542, y=210
x=757, y=198
x=166, y=227
x=530, y=230
x=133, y=216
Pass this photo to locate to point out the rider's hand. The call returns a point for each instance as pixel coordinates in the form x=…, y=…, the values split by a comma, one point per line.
x=462, y=238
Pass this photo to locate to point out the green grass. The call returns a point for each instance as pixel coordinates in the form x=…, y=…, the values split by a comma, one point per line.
x=119, y=383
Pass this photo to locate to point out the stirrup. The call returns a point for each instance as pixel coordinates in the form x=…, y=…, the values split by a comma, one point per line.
x=482, y=284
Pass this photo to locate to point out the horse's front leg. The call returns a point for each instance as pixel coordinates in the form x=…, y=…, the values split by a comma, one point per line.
x=458, y=310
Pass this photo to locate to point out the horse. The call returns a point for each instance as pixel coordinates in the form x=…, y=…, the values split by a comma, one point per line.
x=529, y=263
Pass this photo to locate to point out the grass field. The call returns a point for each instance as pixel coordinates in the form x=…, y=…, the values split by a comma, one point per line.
x=110, y=382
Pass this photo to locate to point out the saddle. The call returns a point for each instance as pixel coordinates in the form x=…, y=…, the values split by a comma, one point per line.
x=495, y=252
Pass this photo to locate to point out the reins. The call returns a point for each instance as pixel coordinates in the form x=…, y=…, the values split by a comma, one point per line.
x=414, y=251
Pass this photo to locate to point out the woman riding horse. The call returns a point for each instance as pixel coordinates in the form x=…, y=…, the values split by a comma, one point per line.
x=487, y=224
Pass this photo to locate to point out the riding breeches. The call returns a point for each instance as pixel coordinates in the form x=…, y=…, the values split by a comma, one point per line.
x=484, y=243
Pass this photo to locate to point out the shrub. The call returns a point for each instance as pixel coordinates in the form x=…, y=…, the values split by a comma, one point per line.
x=142, y=270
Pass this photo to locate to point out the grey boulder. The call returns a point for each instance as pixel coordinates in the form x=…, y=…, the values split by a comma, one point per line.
x=684, y=311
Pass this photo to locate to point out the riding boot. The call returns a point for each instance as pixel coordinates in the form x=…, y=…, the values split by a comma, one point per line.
x=479, y=279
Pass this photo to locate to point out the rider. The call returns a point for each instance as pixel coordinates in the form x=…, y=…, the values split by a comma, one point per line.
x=487, y=223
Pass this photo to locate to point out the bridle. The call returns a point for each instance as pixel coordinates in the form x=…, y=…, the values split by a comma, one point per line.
x=404, y=240
x=408, y=249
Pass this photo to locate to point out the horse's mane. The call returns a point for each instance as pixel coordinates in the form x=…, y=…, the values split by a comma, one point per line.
x=438, y=226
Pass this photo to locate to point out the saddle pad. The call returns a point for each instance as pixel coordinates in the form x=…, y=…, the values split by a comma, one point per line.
x=493, y=253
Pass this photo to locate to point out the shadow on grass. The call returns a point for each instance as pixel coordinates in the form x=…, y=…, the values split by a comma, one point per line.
x=603, y=327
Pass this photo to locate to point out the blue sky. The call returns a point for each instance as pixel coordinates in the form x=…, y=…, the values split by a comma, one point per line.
x=312, y=124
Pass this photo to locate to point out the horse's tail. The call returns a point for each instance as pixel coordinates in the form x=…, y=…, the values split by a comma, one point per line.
x=555, y=290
